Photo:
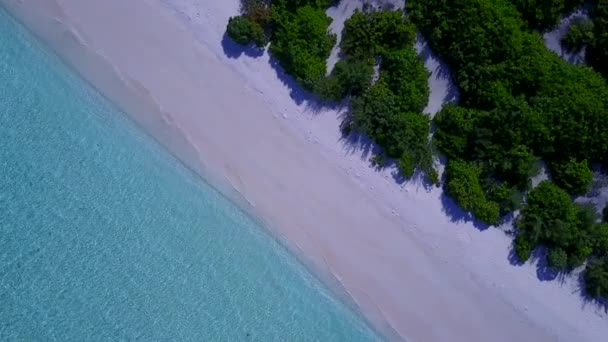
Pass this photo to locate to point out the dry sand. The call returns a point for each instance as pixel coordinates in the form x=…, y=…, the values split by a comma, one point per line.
x=406, y=256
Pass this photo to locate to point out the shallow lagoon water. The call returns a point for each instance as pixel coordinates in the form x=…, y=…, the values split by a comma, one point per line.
x=105, y=236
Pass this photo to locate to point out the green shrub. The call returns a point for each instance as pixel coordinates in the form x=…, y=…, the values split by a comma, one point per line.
x=551, y=219
x=407, y=77
x=549, y=215
x=508, y=198
x=368, y=34
x=597, y=52
x=433, y=176
x=463, y=184
x=523, y=247
x=349, y=77
x=378, y=114
x=487, y=212
x=407, y=164
x=454, y=127
x=301, y=43
x=596, y=278
x=572, y=176
x=557, y=258
x=244, y=31
x=544, y=14
x=580, y=34
x=578, y=256
x=599, y=239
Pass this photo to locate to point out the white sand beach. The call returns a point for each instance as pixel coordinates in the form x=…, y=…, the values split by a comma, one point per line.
x=403, y=253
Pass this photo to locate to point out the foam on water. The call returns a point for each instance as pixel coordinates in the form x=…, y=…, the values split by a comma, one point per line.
x=105, y=236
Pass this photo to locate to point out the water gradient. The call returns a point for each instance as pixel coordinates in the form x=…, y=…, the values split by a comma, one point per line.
x=105, y=236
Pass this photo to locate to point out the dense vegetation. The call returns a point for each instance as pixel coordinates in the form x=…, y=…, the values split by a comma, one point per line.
x=591, y=33
x=389, y=110
x=568, y=230
x=301, y=42
x=243, y=30
x=596, y=278
x=580, y=34
x=297, y=31
x=597, y=51
x=544, y=14
x=520, y=103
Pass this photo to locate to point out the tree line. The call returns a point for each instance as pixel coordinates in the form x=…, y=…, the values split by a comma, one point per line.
x=388, y=109
x=520, y=104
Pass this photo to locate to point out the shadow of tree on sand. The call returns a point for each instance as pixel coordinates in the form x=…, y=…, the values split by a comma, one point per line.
x=234, y=50
x=456, y=214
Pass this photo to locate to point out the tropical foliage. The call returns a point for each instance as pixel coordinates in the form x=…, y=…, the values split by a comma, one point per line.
x=391, y=111
x=544, y=14
x=520, y=103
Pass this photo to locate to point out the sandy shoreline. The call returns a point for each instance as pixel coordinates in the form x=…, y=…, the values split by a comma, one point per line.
x=413, y=270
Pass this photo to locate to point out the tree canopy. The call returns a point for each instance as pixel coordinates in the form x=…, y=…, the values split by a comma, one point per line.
x=243, y=30
x=597, y=51
x=572, y=176
x=580, y=34
x=520, y=104
x=297, y=31
x=596, y=278
x=301, y=42
x=391, y=111
x=551, y=219
x=544, y=14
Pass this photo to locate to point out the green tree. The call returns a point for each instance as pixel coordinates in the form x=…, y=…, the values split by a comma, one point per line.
x=551, y=219
x=350, y=77
x=597, y=52
x=572, y=176
x=407, y=77
x=401, y=134
x=523, y=247
x=454, y=127
x=508, y=198
x=463, y=184
x=549, y=215
x=407, y=164
x=580, y=34
x=301, y=43
x=243, y=31
x=544, y=14
x=598, y=236
x=368, y=34
x=596, y=278
x=557, y=258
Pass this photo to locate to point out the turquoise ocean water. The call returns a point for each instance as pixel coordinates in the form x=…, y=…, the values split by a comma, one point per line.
x=105, y=236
